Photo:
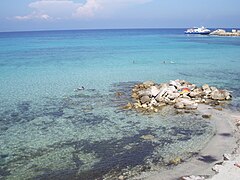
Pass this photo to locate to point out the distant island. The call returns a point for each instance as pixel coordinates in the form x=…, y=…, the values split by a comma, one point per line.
x=222, y=32
x=219, y=32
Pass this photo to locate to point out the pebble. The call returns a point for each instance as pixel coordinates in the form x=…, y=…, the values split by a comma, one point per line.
x=192, y=177
x=121, y=177
x=207, y=116
x=226, y=157
x=215, y=168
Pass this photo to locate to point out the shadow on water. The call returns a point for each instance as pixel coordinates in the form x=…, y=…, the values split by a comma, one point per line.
x=26, y=111
x=114, y=156
x=226, y=134
x=4, y=172
x=121, y=93
x=207, y=159
x=185, y=133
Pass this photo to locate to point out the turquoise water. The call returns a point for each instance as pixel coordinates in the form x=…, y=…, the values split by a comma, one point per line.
x=48, y=130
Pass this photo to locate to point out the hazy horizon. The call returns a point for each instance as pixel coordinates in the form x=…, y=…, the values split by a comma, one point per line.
x=43, y=15
x=93, y=29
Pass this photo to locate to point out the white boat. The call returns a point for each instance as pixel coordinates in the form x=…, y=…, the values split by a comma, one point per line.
x=202, y=30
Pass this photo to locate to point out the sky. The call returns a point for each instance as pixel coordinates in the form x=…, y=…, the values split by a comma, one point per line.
x=28, y=15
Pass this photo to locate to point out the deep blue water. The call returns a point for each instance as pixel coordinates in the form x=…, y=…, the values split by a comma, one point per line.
x=45, y=124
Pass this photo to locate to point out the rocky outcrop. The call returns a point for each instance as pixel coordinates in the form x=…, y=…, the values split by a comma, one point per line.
x=221, y=32
x=180, y=94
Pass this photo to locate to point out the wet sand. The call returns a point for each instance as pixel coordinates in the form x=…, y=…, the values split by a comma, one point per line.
x=230, y=169
x=224, y=141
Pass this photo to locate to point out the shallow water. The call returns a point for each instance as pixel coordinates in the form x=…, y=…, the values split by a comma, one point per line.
x=48, y=130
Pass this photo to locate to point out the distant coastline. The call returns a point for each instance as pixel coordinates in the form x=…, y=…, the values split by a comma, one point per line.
x=106, y=29
x=222, y=32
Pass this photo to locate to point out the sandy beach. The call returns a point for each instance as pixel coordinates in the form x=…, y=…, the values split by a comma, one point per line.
x=225, y=141
x=230, y=169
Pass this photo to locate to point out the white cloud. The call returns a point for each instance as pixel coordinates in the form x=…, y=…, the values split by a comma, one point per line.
x=68, y=9
x=88, y=9
x=124, y=2
x=33, y=16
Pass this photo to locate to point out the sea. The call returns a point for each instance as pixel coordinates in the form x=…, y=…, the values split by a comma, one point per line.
x=60, y=117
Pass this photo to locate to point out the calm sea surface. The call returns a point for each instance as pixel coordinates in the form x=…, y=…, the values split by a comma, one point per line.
x=48, y=130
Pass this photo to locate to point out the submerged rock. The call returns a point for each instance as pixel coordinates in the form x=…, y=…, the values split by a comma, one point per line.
x=128, y=106
x=176, y=161
x=119, y=94
x=207, y=116
x=147, y=137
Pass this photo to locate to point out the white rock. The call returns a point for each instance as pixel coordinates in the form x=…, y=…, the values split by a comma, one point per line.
x=154, y=91
x=192, y=177
x=159, y=98
x=205, y=86
x=228, y=97
x=162, y=92
x=218, y=95
x=144, y=106
x=173, y=96
x=175, y=83
x=185, y=96
x=146, y=92
x=172, y=83
x=192, y=87
x=167, y=100
x=121, y=177
x=192, y=106
x=197, y=101
x=207, y=91
x=153, y=102
x=187, y=102
x=179, y=105
x=226, y=157
x=198, y=91
x=163, y=86
x=193, y=94
x=226, y=94
x=216, y=168
x=171, y=89
x=213, y=88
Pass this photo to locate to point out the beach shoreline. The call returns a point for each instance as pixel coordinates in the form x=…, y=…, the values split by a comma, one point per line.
x=51, y=126
x=225, y=141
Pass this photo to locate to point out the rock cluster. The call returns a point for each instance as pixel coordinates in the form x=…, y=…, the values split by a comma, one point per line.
x=222, y=32
x=179, y=93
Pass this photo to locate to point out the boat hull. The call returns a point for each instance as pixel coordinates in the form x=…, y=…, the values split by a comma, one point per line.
x=201, y=33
